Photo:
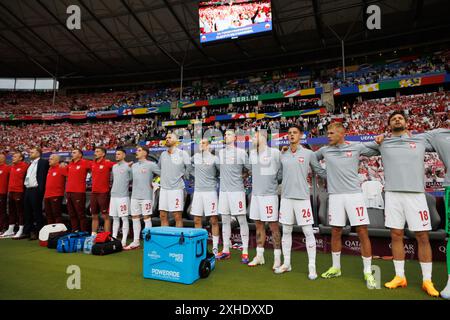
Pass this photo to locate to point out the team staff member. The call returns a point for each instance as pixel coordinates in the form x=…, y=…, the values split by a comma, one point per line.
x=35, y=180
x=403, y=161
x=16, y=196
x=54, y=190
x=77, y=171
x=101, y=175
x=204, y=202
x=4, y=178
x=346, y=198
x=174, y=164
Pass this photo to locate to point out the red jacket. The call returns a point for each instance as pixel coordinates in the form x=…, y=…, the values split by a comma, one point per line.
x=101, y=174
x=17, y=177
x=56, y=181
x=4, y=178
x=76, y=175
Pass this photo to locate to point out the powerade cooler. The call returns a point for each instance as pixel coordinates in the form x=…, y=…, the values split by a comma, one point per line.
x=176, y=254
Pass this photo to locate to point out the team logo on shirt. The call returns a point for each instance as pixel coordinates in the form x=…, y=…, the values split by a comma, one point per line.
x=18, y=169
x=301, y=160
x=78, y=167
x=101, y=167
x=349, y=154
x=1, y=171
x=144, y=171
x=122, y=171
x=54, y=174
x=412, y=145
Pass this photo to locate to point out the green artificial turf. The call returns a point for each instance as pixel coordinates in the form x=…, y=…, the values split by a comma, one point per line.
x=32, y=272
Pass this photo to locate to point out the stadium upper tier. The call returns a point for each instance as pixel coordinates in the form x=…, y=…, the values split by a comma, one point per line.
x=22, y=104
x=425, y=111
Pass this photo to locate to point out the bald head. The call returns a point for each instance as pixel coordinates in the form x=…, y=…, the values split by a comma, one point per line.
x=54, y=160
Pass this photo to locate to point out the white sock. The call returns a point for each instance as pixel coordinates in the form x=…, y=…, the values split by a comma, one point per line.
x=215, y=242
x=277, y=256
x=286, y=243
x=260, y=252
x=11, y=228
x=226, y=232
x=243, y=226
x=367, y=262
x=399, y=266
x=125, y=229
x=336, y=256
x=310, y=244
x=115, y=226
x=148, y=223
x=20, y=232
x=427, y=268
x=136, y=230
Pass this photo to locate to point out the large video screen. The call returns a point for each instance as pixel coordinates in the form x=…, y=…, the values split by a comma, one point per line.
x=227, y=19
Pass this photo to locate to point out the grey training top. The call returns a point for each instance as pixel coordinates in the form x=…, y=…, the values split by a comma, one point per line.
x=232, y=161
x=439, y=139
x=143, y=172
x=174, y=167
x=342, y=164
x=122, y=175
x=265, y=168
x=403, y=162
x=295, y=168
x=206, y=169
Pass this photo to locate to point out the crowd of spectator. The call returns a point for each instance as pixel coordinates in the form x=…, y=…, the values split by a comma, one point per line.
x=425, y=112
x=403, y=67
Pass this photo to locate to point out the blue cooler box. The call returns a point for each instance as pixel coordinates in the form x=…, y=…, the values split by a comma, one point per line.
x=174, y=254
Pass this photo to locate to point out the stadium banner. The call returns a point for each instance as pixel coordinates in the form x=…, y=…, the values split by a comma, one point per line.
x=235, y=116
x=107, y=114
x=413, y=82
x=368, y=87
x=78, y=115
x=261, y=97
x=395, y=84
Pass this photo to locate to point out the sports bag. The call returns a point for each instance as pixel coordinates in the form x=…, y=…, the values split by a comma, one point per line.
x=73, y=242
x=103, y=237
x=53, y=238
x=47, y=230
x=108, y=247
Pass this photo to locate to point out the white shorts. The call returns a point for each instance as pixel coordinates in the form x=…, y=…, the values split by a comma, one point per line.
x=350, y=203
x=171, y=200
x=204, y=203
x=141, y=207
x=119, y=207
x=293, y=210
x=408, y=207
x=264, y=208
x=232, y=203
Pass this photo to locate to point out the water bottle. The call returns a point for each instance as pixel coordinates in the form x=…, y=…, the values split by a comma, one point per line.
x=79, y=245
x=88, y=245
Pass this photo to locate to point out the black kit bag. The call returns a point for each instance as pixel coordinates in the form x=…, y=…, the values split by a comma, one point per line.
x=108, y=247
x=54, y=237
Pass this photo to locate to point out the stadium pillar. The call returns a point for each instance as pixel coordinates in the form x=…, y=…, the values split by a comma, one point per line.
x=343, y=59
x=327, y=97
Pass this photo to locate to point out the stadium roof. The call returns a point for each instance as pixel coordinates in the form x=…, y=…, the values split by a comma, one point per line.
x=149, y=39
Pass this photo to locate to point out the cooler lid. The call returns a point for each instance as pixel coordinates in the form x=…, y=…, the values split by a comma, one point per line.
x=173, y=231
